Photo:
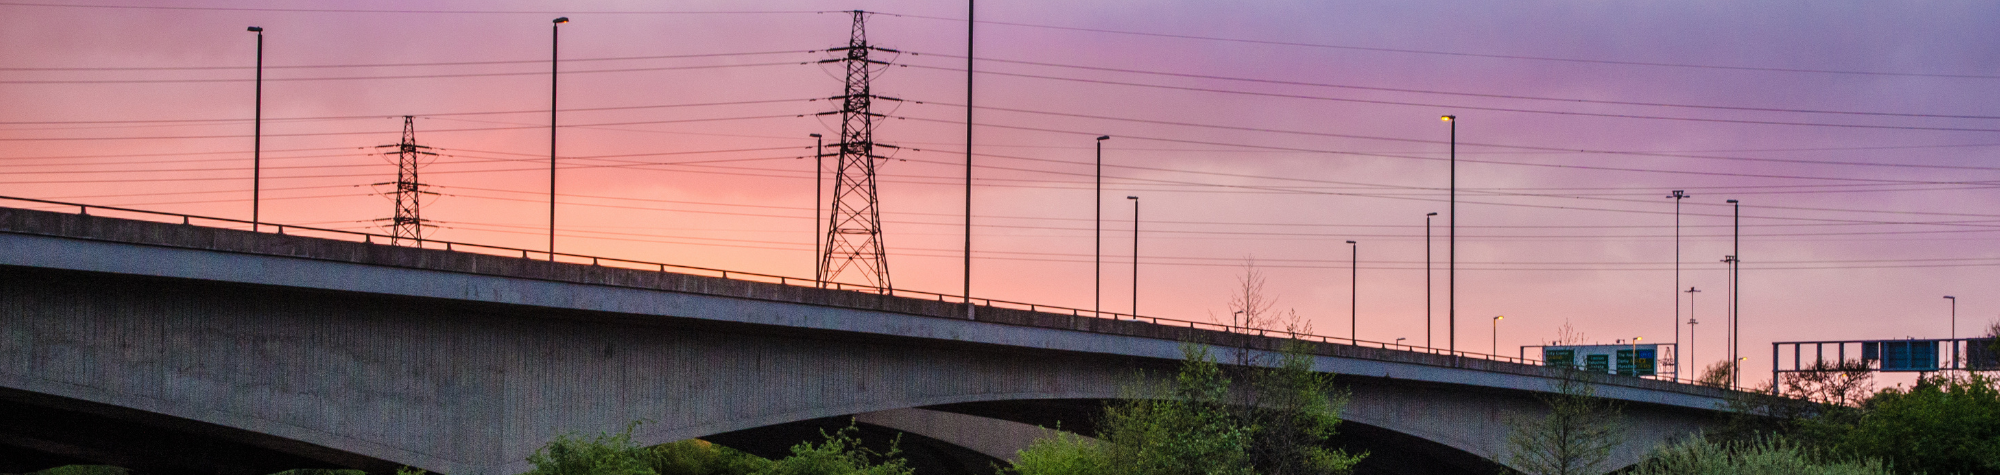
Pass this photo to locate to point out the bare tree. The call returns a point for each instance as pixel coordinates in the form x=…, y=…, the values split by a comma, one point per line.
x=1568, y=335
x=1844, y=383
x=1251, y=308
x=1717, y=375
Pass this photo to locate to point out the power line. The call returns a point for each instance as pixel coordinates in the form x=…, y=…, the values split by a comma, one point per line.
x=1473, y=94
x=1464, y=54
x=472, y=12
x=434, y=115
x=390, y=65
x=1461, y=107
x=406, y=76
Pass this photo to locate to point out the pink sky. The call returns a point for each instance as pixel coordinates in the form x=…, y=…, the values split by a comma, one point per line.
x=1547, y=234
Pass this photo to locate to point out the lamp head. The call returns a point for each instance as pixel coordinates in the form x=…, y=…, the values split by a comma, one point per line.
x=257, y=29
x=1433, y=213
x=561, y=20
x=1732, y=201
x=1350, y=242
x=1103, y=137
x=1131, y=197
x=1951, y=297
x=1448, y=118
x=1499, y=317
x=813, y=135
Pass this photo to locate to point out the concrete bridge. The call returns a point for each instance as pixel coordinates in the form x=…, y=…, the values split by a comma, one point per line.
x=172, y=347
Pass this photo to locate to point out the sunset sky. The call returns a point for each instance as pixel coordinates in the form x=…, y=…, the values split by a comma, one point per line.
x=1862, y=138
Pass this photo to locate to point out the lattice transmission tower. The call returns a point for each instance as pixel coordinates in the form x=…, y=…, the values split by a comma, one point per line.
x=854, y=225
x=408, y=223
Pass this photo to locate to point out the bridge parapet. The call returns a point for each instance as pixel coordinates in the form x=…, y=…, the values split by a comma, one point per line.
x=798, y=291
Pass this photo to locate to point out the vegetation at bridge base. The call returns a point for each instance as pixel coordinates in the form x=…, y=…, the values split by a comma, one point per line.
x=1765, y=456
x=1576, y=437
x=1203, y=424
x=841, y=453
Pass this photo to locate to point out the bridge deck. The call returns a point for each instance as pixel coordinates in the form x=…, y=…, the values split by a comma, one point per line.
x=190, y=237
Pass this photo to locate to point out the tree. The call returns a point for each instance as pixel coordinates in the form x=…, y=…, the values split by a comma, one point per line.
x=1206, y=425
x=1843, y=384
x=1575, y=438
x=1721, y=374
x=1293, y=411
x=1942, y=424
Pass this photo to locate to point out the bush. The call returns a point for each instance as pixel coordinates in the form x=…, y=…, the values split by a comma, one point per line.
x=699, y=457
x=603, y=454
x=840, y=454
x=1940, y=425
x=1699, y=456
x=83, y=470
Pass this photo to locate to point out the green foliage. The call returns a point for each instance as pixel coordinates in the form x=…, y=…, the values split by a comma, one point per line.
x=1278, y=427
x=1940, y=425
x=1292, y=416
x=602, y=454
x=322, y=471
x=1064, y=453
x=699, y=457
x=1575, y=438
x=840, y=454
x=1701, y=456
x=83, y=470
x=408, y=470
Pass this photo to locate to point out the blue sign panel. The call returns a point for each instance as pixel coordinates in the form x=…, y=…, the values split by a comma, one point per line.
x=1902, y=355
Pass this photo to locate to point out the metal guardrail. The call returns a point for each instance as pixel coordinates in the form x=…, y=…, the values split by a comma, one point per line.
x=383, y=239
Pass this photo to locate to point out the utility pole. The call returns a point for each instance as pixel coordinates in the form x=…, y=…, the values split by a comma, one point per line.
x=1135, y=256
x=1677, y=196
x=854, y=220
x=408, y=222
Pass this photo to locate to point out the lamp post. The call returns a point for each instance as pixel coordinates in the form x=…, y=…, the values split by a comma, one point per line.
x=1097, y=206
x=1635, y=353
x=1233, y=325
x=1690, y=347
x=555, y=39
x=1399, y=340
x=1135, y=256
x=1451, y=273
x=1677, y=196
x=1954, y=330
x=1690, y=291
x=1427, y=280
x=257, y=137
x=970, y=22
x=1354, y=293
x=1736, y=295
x=819, y=202
x=1496, y=333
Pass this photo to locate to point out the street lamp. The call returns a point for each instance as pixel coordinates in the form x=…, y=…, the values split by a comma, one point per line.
x=1496, y=333
x=1354, y=293
x=1954, y=330
x=1677, y=196
x=819, y=200
x=257, y=137
x=1690, y=348
x=1135, y=255
x=1451, y=273
x=1427, y=279
x=1736, y=292
x=1677, y=368
x=555, y=37
x=1399, y=340
x=1097, y=206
